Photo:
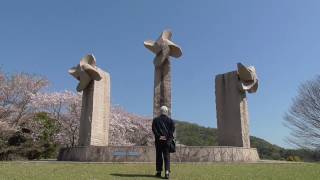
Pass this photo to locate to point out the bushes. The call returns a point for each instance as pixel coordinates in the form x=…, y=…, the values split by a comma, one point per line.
x=17, y=139
x=25, y=144
x=21, y=146
x=19, y=153
x=33, y=154
x=294, y=158
x=18, y=146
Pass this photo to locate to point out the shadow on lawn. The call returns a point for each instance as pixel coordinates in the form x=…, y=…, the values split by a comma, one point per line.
x=133, y=175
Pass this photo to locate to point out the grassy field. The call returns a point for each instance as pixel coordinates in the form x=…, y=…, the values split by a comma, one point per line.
x=219, y=171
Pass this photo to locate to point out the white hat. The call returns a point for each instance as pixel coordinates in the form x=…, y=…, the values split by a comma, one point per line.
x=164, y=110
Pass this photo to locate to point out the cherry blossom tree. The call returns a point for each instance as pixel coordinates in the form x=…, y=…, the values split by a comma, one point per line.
x=15, y=96
x=2, y=109
x=64, y=107
x=129, y=129
x=125, y=128
x=22, y=96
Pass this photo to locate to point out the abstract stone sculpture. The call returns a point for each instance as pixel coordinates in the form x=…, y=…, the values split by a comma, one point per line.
x=95, y=84
x=232, y=107
x=163, y=48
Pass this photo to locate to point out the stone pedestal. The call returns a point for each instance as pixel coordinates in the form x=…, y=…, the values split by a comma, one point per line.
x=94, y=121
x=232, y=111
x=147, y=154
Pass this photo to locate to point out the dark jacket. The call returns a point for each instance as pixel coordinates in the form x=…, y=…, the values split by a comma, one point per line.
x=163, y=126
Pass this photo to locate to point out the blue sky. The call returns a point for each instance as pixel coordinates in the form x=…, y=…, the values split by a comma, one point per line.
x=280, y=38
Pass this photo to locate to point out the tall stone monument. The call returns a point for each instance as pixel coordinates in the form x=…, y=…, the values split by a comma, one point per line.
x=95, y=84
x=163, y=48
x=232, y=107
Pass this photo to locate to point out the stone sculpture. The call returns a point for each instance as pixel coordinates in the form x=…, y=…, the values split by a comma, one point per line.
x=95, y=84
x=163, y=48
x=232, y=107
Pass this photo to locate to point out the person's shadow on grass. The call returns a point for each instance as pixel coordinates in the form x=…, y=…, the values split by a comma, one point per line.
x=134, y=175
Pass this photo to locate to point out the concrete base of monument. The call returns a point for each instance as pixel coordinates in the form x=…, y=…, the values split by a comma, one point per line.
x=147, y=154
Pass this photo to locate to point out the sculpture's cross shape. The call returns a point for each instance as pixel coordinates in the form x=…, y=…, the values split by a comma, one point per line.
x=85, y=72
x=163, y=48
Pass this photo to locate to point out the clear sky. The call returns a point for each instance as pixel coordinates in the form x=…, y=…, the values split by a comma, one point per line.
x=280, y=38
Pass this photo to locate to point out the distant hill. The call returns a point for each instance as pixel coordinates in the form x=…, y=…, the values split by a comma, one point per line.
x=194, y=135
x=132, y=129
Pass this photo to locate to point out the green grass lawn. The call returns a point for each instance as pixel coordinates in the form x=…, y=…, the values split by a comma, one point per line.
x=220, y=171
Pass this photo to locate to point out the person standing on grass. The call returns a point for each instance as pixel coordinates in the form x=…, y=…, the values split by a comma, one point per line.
x=163, y=128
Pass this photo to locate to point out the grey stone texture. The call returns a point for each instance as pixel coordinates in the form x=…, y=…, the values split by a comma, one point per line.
x=163, y=48
x=147, y=154
x=95, y=111
x=232, y=106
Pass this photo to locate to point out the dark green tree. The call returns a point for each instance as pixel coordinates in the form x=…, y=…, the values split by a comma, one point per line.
x=49, y=128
